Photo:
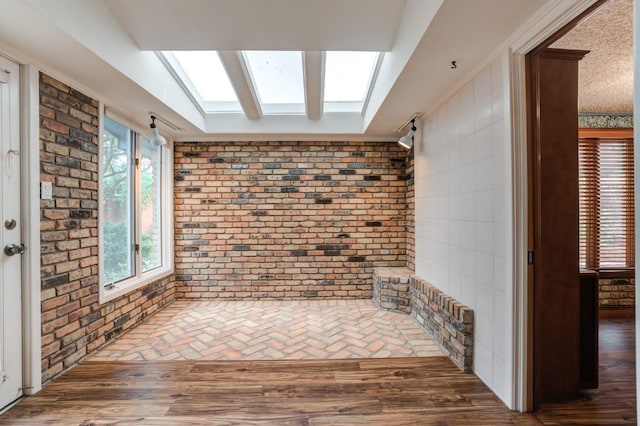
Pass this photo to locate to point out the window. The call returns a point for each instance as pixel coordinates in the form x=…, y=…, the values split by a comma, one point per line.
x=204, y=76
x=606, y=203
x=276, y=77
x=348, y=77
x=134, y=218
x=278, y=80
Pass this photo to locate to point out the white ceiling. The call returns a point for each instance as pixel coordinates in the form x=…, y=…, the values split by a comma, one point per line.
x=260, y=24
x=105, y=47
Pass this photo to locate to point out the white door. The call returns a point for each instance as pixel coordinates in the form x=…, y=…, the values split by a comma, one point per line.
x=11, y=237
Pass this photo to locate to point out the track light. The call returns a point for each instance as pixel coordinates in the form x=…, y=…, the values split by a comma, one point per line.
x=407, y=140
x=157, y=139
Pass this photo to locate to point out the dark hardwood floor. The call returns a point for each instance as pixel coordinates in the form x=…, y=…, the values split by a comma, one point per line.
x=389, y=392
x=398, y=391
x=614, y=402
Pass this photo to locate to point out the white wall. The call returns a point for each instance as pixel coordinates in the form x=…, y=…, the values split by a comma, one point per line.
x=463, y=216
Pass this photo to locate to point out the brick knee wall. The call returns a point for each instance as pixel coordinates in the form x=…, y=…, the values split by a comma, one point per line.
x=447, y=321
x=391, y=289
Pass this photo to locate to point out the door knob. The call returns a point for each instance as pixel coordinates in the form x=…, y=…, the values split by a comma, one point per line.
x=11, y=249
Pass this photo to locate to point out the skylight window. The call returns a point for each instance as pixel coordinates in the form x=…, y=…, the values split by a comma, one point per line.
x=206, y=79
x=278, y=79
x=348, y=77
x=273, y=82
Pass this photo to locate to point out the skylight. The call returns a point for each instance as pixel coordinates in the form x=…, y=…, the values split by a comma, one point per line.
x=348, y=78
x=274, y=80
x=277, y=76
x=206, y=79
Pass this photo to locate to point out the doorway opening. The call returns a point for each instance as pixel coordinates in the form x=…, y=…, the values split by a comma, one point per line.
x=587, y=97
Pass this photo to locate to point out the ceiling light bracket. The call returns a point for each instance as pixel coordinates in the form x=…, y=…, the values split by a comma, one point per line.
x=411, y=120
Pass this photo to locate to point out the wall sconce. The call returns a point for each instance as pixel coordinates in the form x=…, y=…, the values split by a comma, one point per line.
x=157, y=139
x=407, y=140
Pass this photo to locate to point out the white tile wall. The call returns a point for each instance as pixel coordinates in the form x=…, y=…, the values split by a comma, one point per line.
x=462, y=218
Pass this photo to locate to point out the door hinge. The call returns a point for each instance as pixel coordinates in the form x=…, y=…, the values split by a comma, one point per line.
x=530, y=257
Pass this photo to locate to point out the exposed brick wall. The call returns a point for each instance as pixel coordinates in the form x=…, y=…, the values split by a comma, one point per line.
x=617, y=292
x=411, y=211
x=287, y=220
x=448, y=322
x=73, y=322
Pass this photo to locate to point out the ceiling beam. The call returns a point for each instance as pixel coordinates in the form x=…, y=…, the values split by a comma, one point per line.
x=314, y=84
x=234, y=64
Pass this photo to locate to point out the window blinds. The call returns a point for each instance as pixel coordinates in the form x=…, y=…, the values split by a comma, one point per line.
x=606, y=203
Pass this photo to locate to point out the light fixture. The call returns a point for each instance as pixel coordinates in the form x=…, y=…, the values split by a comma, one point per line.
x=407, y=140
x=157, y=139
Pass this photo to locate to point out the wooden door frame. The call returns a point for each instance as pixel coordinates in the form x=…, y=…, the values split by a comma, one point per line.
x=553, y=213
x=543, y=28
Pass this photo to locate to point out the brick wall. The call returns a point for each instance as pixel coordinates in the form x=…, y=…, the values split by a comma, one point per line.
x=73, y=322
x=295, y=220
x=617, y=292
x=447, y=321
x=411, y=212
x=391, y=289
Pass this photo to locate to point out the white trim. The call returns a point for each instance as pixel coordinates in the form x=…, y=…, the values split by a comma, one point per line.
x=270, y=137
x=238, y=72
x=127, y=286
x=522, y=397
x=124, y=119
x=313, y=76
x=373, y=78
x=541, y=26
x=30, y=112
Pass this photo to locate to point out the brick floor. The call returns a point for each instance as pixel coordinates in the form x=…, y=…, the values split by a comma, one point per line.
x=330, y=329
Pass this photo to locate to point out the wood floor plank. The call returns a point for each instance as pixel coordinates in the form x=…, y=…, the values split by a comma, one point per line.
x=386, y=392
x=396, y=391
x=614, y=401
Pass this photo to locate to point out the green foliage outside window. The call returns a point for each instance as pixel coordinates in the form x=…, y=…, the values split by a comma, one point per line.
x=118, y=201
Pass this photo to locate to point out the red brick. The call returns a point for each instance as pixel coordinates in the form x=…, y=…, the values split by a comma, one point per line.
x=76, y=302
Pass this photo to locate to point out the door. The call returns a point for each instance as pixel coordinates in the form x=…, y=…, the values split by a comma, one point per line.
x=10, y=232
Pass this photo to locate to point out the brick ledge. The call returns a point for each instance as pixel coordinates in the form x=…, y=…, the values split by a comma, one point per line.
x=447, y=321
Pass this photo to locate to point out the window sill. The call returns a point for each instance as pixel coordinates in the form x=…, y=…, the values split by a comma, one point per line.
x=132, y=284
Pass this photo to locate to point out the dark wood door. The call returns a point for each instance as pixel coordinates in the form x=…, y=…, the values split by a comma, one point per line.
x=553, y=95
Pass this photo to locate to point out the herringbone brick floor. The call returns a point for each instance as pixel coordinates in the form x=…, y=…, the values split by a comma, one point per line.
x=212, y=330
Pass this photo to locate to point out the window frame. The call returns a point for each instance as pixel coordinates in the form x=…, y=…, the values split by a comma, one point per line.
x=610, y=271
x=140, y=278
